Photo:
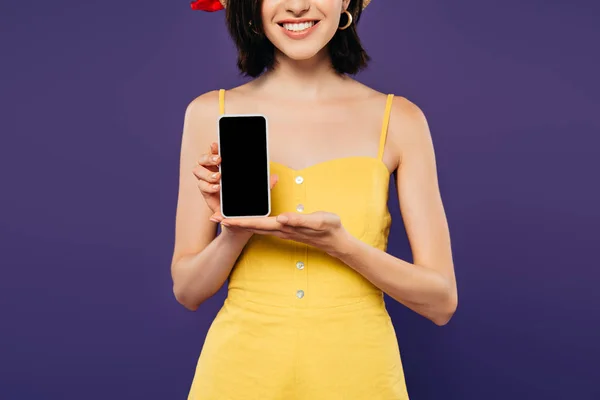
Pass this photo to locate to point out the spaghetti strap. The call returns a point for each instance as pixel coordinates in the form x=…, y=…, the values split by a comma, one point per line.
x=384, y=128
x=221, y=101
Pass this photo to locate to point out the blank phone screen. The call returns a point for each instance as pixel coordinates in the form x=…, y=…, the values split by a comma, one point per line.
x=244, y=166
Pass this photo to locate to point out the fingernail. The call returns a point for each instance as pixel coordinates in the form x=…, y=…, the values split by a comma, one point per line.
x=215, y=186
x=215, y=158
x=214, y=176
x=214, y=219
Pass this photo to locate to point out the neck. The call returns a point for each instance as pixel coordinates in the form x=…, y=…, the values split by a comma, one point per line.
x=302, y=79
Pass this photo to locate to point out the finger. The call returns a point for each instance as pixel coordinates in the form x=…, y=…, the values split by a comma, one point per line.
x=298, y=231
x=263, y=223
x=209, y=160
x=214, y=148
x=208, y=188
x=279, y=234
x=297, y=220
x=207, y=175
x=216, y=217
x=315, y=221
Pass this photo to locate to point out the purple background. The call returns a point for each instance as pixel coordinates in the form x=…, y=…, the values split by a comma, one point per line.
x=92, y=102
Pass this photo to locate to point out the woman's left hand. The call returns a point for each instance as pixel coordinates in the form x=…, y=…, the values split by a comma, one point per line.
x=320, y=229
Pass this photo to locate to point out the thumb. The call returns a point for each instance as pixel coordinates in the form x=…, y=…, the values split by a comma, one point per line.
x=216, y=217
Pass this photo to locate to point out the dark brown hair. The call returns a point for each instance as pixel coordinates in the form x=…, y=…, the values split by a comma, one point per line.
x=256, y=53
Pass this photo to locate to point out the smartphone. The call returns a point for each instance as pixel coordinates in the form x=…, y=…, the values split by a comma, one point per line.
x=245, y=173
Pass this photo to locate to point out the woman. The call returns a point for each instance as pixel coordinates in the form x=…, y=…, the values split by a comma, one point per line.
x=305, y=317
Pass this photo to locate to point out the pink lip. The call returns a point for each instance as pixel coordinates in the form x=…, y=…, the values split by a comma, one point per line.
x=298, y=35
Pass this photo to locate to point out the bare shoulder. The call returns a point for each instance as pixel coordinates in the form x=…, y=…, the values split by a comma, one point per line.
x=236, y=98
x=403, y=110
x=204, y=106
x=407, y=124
x=408, y=128
x=406, y=112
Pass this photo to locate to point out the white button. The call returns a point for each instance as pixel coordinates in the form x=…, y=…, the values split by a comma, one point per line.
x=300, y=208
x=300, y=265
x=300, y=294
x=299, y=180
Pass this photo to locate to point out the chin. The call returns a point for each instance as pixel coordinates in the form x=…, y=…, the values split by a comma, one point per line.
x=301, y=50
x=300, y=54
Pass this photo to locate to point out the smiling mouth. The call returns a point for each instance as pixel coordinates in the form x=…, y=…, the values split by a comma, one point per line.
x=298, y=26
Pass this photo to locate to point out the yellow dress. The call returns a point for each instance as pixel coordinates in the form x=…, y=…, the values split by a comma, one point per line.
x=298, y=324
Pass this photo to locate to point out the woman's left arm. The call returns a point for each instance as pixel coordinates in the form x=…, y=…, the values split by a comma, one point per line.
x=428, y=286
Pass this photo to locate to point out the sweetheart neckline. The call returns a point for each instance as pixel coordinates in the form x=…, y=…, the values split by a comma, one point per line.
x=333, y=160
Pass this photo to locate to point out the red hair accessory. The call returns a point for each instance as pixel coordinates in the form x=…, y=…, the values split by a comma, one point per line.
x=207, y=5
x=216, y=5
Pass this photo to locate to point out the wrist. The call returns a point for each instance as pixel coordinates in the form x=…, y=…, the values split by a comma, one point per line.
x=343, y=244
x=235, y=234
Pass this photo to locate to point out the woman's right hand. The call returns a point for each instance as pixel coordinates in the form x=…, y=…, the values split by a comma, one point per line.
x=209, y=180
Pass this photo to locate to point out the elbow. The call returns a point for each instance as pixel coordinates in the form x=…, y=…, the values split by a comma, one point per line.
x=446, y=310
x=442, y=319
x=185, y=299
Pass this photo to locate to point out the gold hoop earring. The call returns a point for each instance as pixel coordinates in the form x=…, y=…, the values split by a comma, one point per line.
x=341, y=28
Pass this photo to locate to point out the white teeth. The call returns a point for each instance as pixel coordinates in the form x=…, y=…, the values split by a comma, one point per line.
x=298, y=27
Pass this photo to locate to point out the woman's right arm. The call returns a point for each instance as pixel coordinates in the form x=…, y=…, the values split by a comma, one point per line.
x=202, y=260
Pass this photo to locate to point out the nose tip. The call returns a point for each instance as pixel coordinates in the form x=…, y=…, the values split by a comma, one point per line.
x=298, y=7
